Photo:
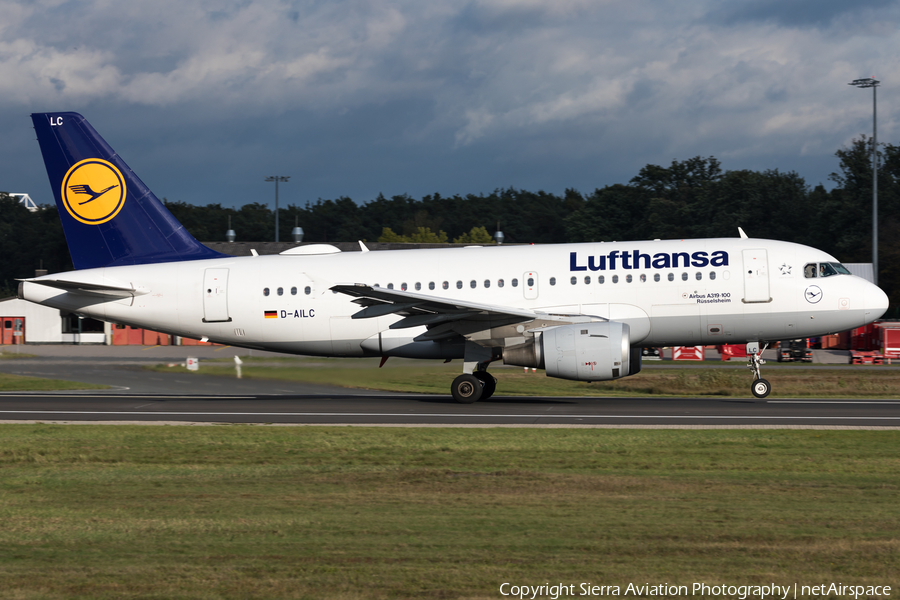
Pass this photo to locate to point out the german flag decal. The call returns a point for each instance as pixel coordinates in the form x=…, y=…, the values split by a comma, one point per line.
x=271, y=314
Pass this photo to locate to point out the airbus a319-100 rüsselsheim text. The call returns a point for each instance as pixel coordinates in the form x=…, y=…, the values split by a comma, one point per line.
x=579, y=311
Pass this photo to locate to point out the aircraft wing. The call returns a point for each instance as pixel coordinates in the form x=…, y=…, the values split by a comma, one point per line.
x=421, y=309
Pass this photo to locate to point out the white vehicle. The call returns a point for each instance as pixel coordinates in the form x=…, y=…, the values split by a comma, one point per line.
x=580, y=311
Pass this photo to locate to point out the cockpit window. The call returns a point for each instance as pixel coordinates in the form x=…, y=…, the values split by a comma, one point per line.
x=824, y=270
x=840, y=268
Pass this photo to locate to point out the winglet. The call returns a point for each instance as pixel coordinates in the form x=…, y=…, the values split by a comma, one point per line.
x=362, y=246
x=109, y=216
x=743, y=235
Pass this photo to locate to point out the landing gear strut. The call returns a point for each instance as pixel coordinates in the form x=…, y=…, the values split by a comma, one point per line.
x=760, y=386
x=475, y=383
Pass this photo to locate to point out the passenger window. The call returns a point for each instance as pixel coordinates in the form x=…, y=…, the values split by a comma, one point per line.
x=656, y=277
x=587, y=278
x=699, y=275
x=712, y=274
x=684, y=276
x=601, y=279
x=403, y=286
x=446, y=285
x=430, y=285
x=459, y=285
x=573, y=281
x=628, y=278
x=293, y=291
x=390, y=286
x=552, y=281
x=671, y=276
x=643, y=278
x=515, y=282
x=418, y=286
x=307, y=290
x=499, y=283
x=809, y=271
x=472, y=284
x=615, y=279
x=265, y=291
x=281, y=291
x=531, y=281
x=487, y=283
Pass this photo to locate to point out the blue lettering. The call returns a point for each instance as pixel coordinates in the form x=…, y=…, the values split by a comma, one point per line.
x=637, y=260
x=296, y=314
x=612, y=259
x=638, y=257
x=698, y=259
x=312, y=312
x=661, y=261
x=283, y=314
x=573, y=260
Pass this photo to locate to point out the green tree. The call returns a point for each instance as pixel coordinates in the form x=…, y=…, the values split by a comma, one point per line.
x=476, y=235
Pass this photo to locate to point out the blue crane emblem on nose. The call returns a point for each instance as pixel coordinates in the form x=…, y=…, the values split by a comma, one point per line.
x=813, y=294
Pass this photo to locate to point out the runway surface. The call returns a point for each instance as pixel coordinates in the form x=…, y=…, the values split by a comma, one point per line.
x=140, y=395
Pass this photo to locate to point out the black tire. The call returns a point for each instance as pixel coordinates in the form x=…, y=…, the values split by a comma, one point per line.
x=761, y=388
x=466, y=389
x=489, y=383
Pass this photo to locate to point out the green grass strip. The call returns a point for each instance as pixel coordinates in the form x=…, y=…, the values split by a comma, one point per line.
x=433, y=377
x=351, y=513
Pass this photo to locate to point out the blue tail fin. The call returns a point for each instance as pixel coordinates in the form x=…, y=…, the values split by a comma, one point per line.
x=109, y=216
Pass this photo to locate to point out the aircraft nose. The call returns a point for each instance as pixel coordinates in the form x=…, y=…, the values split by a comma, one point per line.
x=876, y=301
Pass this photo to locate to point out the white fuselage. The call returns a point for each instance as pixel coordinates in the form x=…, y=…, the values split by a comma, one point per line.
x=722, y=291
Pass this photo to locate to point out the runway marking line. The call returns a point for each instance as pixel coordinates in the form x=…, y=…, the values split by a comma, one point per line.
x=424, y=415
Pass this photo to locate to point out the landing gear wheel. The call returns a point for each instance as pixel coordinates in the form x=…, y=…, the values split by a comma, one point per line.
x=466, y=389
x=761, y=388
x=489, y=383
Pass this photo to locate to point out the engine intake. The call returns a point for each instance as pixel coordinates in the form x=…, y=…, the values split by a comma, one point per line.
x=580, y=352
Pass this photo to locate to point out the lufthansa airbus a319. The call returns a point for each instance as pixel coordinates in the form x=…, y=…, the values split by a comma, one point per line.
x=579, y=311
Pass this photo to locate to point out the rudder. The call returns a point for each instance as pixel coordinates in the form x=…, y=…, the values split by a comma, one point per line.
x=110, y=218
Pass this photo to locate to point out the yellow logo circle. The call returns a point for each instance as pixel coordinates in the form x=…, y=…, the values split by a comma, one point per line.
x=93, y=191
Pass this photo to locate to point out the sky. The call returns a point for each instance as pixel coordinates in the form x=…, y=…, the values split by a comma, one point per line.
x=204, y=99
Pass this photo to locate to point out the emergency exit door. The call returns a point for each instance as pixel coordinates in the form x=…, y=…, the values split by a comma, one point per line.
x=215, y=296
x=756, y=276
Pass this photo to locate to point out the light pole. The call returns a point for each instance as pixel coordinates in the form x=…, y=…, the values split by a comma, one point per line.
x=276, y=179
x=871, y=82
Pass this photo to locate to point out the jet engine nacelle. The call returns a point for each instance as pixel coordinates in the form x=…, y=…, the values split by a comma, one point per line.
x=581, y=352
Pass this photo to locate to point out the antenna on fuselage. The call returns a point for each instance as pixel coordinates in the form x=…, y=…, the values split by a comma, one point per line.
x=743, y=235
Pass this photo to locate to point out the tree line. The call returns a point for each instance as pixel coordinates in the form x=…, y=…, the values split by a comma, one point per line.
x=688, y=199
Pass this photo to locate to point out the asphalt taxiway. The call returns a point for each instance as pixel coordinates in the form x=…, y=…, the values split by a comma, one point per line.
x=138, y=395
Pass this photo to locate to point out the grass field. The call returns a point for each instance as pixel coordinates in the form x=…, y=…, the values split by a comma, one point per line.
x=329, y=512
x=434, y=378
x=17, y=383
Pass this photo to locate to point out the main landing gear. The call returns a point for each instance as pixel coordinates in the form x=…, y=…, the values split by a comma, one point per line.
x=472, y=387
x=760, y=386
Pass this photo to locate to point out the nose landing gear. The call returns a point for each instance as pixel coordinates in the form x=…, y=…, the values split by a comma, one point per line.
x=760, y=387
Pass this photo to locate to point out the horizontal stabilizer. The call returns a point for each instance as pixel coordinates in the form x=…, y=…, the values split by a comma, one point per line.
x=88, y=289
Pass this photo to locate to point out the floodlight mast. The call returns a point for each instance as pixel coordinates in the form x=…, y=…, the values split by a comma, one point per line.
x=871, y=82
x=276, y=179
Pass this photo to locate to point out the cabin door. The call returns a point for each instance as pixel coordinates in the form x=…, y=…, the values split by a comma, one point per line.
x=215, y=296
x=756, y=276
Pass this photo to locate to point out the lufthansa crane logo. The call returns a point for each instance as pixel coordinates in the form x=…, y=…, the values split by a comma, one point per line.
x=93, y=191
